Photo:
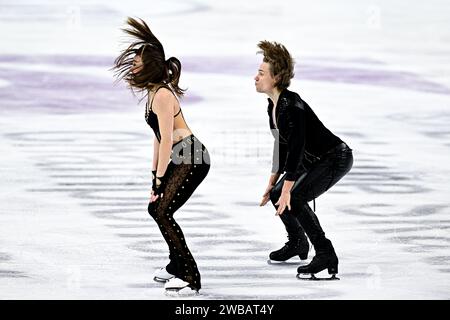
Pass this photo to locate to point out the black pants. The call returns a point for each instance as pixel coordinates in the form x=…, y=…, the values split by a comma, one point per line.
x=321, y=176
x=189, y=165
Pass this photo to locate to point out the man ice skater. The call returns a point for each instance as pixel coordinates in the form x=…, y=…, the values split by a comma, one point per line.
x=312, y=157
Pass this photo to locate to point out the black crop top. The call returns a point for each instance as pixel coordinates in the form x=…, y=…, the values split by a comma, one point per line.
x=152, y=119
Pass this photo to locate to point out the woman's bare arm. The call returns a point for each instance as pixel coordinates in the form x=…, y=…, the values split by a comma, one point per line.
x=155, y=154
x=163, y=106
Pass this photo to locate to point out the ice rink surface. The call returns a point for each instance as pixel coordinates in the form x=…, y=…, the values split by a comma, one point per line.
x=76, y=151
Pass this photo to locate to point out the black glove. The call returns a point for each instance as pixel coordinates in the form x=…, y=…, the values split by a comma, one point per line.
x=153, y=180
x=160, y=185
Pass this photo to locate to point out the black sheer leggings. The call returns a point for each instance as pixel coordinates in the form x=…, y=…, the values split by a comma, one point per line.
x=189, y=165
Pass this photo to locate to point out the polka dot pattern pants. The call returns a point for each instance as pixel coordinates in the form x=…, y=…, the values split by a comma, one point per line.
x=188, y=167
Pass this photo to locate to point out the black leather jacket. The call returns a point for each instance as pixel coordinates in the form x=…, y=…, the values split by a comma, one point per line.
x=300, y=137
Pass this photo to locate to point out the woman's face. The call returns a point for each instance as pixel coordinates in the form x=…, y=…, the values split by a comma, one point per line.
x=137, y=64
x=264, y=82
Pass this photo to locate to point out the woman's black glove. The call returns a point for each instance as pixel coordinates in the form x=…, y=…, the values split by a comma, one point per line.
x=160, y=185
x=153, y=179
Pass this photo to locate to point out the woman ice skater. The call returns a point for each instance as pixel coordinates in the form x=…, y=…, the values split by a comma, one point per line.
x=313, y=158
x=180, y=160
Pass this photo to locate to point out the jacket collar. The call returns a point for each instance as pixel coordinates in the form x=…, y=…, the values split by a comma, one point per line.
x=282, y=94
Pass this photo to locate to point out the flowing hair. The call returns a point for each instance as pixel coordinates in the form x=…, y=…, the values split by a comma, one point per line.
x=280, y=62
x=155, y=70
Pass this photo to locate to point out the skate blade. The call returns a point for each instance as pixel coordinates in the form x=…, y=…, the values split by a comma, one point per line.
x=160, y=280
x=312, y=277
x=279, y=263
x=184, y=292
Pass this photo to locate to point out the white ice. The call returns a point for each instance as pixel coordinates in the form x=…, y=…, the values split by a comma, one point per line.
x=76, y=157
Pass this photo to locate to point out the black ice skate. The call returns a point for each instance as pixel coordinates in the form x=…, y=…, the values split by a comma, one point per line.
x=322, y=260
x=291, y=249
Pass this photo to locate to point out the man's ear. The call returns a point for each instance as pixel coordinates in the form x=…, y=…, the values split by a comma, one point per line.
x=277, y=79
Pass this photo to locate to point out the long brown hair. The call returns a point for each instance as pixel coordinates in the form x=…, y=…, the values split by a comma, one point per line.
x=155, y=70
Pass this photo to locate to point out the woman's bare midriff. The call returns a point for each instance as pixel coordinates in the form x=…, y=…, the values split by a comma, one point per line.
x=180, y=128
x=176, y=141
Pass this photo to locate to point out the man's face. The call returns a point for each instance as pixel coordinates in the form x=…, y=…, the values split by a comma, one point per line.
x=264, y=82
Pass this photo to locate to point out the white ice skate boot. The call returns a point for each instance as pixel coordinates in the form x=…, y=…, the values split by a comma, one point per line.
x=176, y=287
x=161, y=275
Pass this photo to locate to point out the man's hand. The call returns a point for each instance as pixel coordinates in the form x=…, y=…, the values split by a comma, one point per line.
x=283, y=202
x=266, y=195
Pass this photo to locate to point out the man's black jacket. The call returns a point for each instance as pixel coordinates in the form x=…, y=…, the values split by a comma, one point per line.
x=300, y=137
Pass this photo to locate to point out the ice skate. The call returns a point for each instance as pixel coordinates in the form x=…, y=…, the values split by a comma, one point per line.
x=323, y=260
x=161, y=275
x=312, y=277
x=291, y=249
x=176, y=287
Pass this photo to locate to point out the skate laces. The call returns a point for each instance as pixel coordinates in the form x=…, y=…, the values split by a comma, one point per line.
x=292, y=241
